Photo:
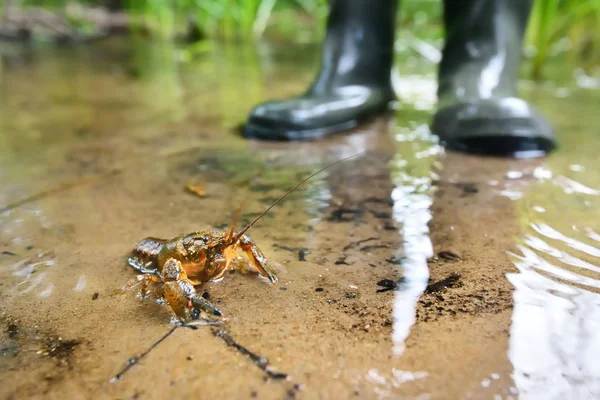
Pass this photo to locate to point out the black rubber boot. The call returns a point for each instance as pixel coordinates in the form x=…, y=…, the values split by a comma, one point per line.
x=353, y=84
x=479, y=110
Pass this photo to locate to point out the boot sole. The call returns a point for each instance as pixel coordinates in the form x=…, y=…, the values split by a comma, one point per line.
x=258, y=129
x=500, y=131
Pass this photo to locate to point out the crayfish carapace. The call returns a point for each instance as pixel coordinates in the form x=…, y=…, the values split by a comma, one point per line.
x=180, y=264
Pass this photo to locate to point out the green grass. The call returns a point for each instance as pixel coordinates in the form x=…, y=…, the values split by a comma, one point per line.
x=224, y=19
x=568, y=26
x=574, y=24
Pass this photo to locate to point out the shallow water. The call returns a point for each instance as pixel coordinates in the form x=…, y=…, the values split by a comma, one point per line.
x=494, y=264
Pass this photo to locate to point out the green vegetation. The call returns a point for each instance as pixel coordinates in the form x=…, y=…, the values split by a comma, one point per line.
x=571, y=27
x=227, y=19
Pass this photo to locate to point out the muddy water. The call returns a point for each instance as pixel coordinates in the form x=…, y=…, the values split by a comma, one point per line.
x=407, y=272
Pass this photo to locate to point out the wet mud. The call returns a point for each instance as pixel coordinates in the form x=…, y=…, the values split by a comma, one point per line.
x=404, y=273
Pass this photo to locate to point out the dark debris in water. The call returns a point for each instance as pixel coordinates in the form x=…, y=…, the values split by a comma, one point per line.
x=353, y=244
x=345, y=214
x=467, y=188
x=302, y=255
x=12, y=330
x=451, y=281
x=387, y=285
x=292, y=249
x=374, y=247
x=341, y=261
x=389, y=226
x=395, y=260
x=381, y=214
x=448, y=256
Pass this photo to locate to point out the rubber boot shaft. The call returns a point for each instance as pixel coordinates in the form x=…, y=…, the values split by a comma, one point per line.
x=359, y=47
x=483, y=38
x=353, y=83
x=479, y=110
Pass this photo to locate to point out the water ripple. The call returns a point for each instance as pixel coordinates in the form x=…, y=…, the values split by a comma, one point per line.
x=554, y=340
x=551, y=233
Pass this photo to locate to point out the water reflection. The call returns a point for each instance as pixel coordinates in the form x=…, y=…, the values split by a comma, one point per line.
x=412, y=175
x=554, y=336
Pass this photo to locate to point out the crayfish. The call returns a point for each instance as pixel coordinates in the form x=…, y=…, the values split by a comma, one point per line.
x=184, y=262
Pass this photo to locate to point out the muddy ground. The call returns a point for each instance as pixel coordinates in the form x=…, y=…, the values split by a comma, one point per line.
x=394, y=267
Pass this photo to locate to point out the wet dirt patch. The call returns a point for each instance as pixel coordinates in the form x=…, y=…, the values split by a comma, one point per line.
x=44, y=344
x=434, y=305
x=334, y=322
x=34, y=360
x=60, y=350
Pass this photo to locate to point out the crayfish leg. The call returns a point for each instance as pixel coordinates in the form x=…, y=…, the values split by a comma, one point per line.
x=144, y=279
x=257, y=258
x=139, y=265
x=203, y=304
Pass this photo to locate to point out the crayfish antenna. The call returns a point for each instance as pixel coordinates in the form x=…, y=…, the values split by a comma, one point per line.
x=239, y=235
x=235, y=220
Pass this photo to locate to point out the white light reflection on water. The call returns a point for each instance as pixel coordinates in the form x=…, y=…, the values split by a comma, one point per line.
x=81, y=284
x=29, y=269
x=570, y=186
x=554, y=341
x=418, y=90
x=412, y=198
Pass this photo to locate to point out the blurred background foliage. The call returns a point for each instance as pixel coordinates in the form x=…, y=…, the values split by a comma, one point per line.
x=557, y=27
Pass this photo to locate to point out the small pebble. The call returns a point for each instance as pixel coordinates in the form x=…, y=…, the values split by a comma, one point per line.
x=319, y=289
x=301, y=255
